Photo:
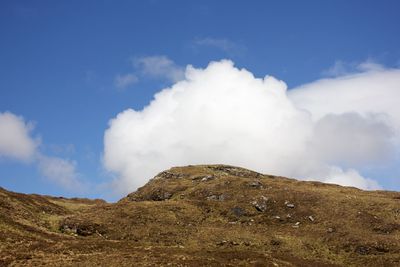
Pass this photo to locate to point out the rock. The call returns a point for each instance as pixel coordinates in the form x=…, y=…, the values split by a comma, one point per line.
x=203, y=178
x=160, y=195
x=236, y=171
x=290, y=205
x=331, y=230
x=255, y=184
x=238, y=212
x=260, y=205
x=275, y=242
x=296, y=225
x=362, y=250
x=221, y=243
x=207, y=178
x=68, y=229
x=81, y=228
x=212, y=197
x=169, y=175
x=234, y=243
x=216, y=197
x=311, y=218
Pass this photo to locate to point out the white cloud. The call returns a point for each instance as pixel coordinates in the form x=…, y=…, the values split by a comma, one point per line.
x=15, y=139
x=223, y=44
x=123, y=81
x=159, y=67
x=221, y=114
x=350, y=178
x=375, y=91
x=60, y=171
x=17, y=143
x=353, y=140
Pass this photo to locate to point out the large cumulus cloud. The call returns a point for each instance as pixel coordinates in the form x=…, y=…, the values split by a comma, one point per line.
x=222, y=114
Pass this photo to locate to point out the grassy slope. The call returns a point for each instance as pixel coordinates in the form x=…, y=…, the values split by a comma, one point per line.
x=207, y=215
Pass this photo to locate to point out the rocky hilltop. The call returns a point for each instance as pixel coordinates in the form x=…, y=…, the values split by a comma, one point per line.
x=209, y=215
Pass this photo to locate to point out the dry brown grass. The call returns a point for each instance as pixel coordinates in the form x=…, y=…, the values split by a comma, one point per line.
x=206, y=215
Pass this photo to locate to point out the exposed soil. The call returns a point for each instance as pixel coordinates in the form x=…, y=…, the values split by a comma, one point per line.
x=210, y=215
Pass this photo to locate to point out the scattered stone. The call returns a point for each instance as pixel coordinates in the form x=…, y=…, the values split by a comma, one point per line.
x=311, y=218
x=331, y=230
x=203, y=178
x=296, y=225
x=290, y=205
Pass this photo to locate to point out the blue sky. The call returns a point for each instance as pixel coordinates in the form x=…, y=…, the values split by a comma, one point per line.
x=59, y=63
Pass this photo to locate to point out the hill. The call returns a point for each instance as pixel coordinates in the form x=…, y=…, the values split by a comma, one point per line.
x=206, y=215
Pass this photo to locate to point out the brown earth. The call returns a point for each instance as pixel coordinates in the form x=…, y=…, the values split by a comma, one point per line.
x=211, y=215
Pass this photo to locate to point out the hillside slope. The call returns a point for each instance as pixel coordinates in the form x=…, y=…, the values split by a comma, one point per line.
x=206, y=215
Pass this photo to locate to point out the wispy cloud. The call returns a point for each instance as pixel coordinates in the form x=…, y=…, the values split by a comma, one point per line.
x=61, y=172
x=123, y=81
x=60, y=149
x=159, y=66
x=341, y=68
x=226, y=45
